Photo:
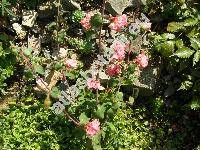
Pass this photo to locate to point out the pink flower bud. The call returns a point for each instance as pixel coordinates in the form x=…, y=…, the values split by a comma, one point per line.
x=142, y=60
x=119, y=51
x=71, y=63
x=94, y=84
x=92, y=128
x=85, y=22
x=113, y=70
x=118, y=22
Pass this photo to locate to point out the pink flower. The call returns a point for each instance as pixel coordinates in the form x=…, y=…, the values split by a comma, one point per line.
x=85, y=22
x=113, y=70
x=92, y=128
x=94, y=84
x=119, y=56
x=119, y=46
x=71, y=63
x=142, y=60
x=118, y=22
x=119, y=49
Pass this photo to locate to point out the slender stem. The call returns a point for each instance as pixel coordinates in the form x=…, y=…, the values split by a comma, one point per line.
x=57, y=23
x=102, y=14
x=28, y=62
x=72, y=119
x=97, y=96
x=100, y=47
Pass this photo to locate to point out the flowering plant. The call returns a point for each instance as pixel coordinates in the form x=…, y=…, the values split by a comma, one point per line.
x=89, y=85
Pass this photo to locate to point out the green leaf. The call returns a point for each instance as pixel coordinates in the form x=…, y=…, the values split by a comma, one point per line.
x=96, y=20
x=51, y=25
x=167, y=48
x=195, y=103
x=55, y=92
x=190, y=22
x=111, y=125
x=28, y=51
x=119, y=96
x=175, y=26
x=97, y=147
x=58, y=66
x=100, y=111
x=83, y=118
x=70, y=75
x=179, y=43
x=196, y=57
x=184, y=52
x=186, y=85
x=1, y=50
x=39, y=69
x=181, y=1
x=195, y=43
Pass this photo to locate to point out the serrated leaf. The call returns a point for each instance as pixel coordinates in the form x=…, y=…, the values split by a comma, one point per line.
x=195, y=43
x=167, y=48
x=190, y=22
x=39, y=69
x=184, y=52
x=100, y=111
x=83, y=118
x=196, y=57
x=179, y=43
x=186, y=85
x=175, y=26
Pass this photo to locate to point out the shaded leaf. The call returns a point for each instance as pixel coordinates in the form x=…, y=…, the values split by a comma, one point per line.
x=167, y=48
x=184, y=52
x=195, y=43
x=179, y=43
x=175, y=26
x=186, y=85
x=196, y=57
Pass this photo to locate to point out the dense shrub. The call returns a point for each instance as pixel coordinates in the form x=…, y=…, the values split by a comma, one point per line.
x=87, y=67
x=33, y=127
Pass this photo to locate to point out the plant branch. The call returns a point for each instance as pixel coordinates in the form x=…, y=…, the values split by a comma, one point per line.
x=57, y=23
x=76, y=122
x=102, y=14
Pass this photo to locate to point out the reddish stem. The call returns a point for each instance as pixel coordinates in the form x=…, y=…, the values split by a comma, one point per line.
x=76, y=122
